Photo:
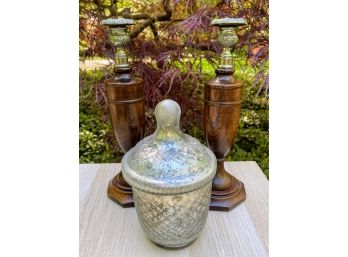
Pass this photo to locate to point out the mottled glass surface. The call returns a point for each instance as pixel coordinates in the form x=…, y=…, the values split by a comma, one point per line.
x=171, y=175
x=168, y=161
x=173, y=220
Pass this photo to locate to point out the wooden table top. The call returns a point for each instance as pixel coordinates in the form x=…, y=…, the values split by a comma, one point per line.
x=106, y=229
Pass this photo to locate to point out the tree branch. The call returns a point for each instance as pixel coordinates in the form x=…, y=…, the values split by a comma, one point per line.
x=149, y=21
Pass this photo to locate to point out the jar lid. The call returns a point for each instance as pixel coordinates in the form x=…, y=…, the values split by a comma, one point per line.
x=169, y=161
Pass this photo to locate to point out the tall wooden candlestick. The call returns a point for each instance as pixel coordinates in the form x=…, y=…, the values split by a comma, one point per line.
x=222, y=103
x=126, y=106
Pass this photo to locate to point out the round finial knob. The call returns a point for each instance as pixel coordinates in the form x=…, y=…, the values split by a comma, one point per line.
x=167, y=114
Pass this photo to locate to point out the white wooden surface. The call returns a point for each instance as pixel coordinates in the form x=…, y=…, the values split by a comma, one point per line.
x=106, y=229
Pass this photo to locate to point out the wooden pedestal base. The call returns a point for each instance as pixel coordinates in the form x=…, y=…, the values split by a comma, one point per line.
x=120, y=192
x=228, y=199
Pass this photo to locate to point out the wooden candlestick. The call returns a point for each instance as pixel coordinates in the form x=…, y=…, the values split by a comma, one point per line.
x=222, y=103
x=126, y=107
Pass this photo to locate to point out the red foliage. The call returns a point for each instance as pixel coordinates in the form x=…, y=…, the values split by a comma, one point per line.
x=161, y=60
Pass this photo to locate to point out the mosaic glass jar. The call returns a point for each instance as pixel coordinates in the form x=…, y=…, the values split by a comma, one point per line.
x=171, y=175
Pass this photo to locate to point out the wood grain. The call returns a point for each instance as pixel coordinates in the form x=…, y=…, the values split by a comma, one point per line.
x=106, y=229
x=222, y=104
x=86, y=178
x=256, y=185
x=126, y=104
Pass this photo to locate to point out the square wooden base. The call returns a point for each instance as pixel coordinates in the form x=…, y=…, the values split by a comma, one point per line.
x=226, y=201
x=119, y=193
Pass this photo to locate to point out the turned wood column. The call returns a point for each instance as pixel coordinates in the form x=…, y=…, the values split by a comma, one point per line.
x=126, y=106
x=127, y=113
x=222, y=104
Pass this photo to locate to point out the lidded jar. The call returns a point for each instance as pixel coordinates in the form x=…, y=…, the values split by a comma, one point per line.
x=171, y=175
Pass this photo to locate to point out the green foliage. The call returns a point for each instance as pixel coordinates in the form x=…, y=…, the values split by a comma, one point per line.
x=93, y=147
x=252, y=139
x=92, y=135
